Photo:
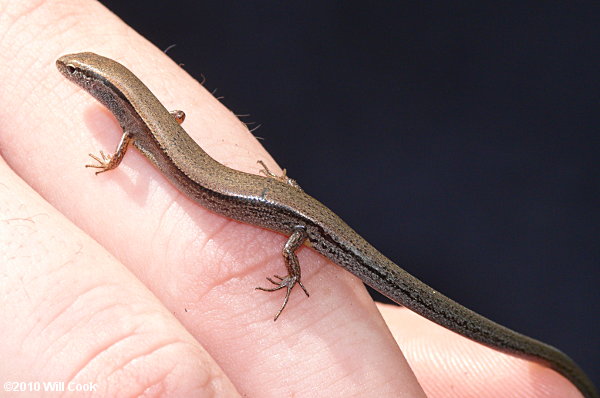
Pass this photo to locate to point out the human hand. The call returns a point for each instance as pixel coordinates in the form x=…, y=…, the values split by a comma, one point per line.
x=166, y=304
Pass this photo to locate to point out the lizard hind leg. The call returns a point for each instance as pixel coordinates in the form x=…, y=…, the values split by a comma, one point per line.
x=292, y=264
x=283, y=178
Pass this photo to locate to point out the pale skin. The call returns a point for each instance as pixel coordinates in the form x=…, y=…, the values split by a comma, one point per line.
x=193, y=273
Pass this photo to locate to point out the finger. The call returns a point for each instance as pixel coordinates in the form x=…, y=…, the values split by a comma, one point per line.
x=449, y=365
x=73, y=314
x=201, y=265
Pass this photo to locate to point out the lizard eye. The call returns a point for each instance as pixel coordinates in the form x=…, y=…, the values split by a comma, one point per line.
x=70, y=69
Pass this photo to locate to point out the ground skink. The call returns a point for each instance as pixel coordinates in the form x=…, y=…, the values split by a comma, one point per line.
x=278, y=204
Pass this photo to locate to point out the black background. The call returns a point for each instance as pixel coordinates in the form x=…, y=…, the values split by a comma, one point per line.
x=462, y=141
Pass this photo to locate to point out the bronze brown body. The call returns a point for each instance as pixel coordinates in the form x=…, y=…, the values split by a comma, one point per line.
x=275, y=205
